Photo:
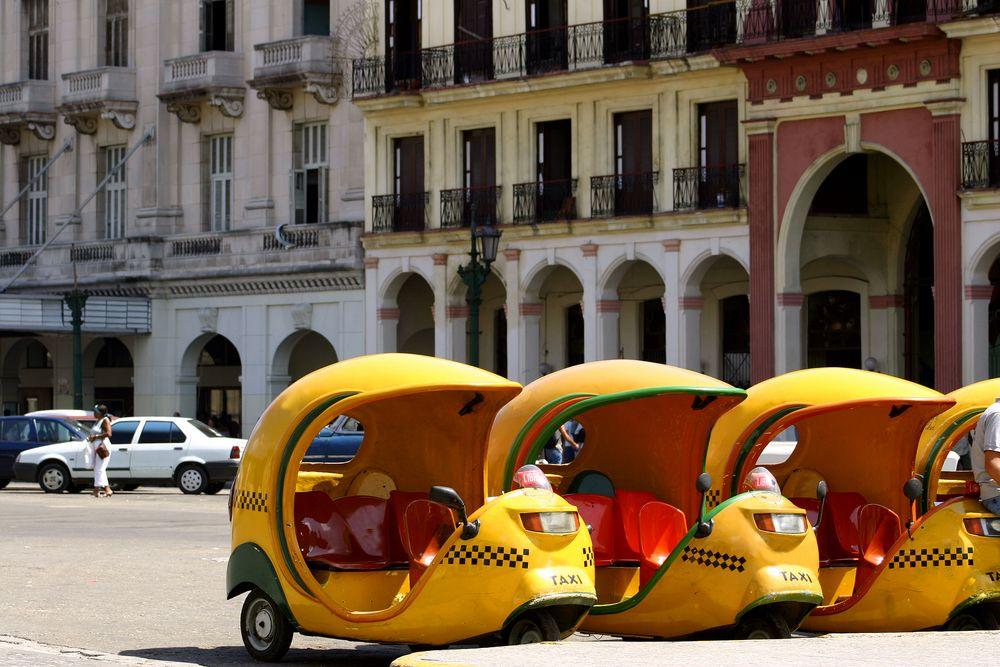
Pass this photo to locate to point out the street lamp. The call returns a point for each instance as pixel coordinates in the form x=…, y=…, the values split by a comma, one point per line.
x=484, y=243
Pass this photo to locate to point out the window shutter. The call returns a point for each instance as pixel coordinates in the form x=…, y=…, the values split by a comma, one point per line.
x=206, y=184
x=230, y=26
x=298, y=196
x=22, y=180
x=102, y=197
x=324, y=183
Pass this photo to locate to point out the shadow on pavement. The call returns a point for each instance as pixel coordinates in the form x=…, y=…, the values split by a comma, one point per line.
x=367, y=654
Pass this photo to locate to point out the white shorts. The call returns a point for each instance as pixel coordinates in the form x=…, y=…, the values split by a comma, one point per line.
x=101, y=471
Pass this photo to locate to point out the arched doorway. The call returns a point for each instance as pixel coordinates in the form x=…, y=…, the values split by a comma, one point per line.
x=415, y=327
x=109, y=363
x=310, y=352
x=918, y=300
x=993, y=318
x=635, y=293
x=493, y=326
x=560, y=340
x=27, y=374
x=220, y=395
x=715, y=312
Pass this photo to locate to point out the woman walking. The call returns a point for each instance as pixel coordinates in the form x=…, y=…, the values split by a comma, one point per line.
x=101, y=451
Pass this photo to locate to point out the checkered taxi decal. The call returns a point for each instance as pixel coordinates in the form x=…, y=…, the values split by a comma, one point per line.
x=710, y=558
x=254, y=501
x=476, y=554
x=934, y=557
x=588, y=556
x=713, y=498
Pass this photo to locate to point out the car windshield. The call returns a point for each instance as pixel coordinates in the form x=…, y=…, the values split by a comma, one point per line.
x=205, y=429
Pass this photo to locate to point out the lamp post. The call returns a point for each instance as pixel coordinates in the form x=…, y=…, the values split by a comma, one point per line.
x=484, y=242
x=75, y=301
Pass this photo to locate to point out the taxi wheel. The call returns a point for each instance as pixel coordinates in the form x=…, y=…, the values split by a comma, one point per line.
x=765, y=625
x=533, y=628
x=267, y=634
x=974, y=619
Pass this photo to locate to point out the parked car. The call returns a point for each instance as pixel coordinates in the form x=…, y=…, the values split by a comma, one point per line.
x=85, y=417
x=338, y=442
x=150, y=451
x=18, y=434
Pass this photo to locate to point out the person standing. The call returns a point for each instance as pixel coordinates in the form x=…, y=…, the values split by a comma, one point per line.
x=574, y=436
x=985, y=455
x=100, y=438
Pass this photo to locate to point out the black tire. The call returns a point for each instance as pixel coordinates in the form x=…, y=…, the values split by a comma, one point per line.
x=129, y=487
x=191, y=479
x=533, y=628
x=214, y=487
x=763, y=625
x=974, y=619
x=266, y=632
x=54, y=477
x=4, y=482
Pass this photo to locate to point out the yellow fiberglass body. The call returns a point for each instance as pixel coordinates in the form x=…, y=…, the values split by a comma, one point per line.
x=884, y=566
x=362, y=550
x=664, y=568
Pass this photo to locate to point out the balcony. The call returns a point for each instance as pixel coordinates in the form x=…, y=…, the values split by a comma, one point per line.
x=981, y=165
x=623, y=195
x=459, y=207
x=106, y=92
x=546, y=201
x=704, y=188
x=27, y=105
x=215, y=77
x=400, y=213
x=305, y=63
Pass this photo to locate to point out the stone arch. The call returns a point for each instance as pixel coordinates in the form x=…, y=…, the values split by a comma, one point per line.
x=701, y=264
x=212, y=390
x=631, y=317
x=111, y=383
x=539, y=272
x=715, y=316
x=611, y=277
x=394, y=281
x=27, y=388
x=284, y=362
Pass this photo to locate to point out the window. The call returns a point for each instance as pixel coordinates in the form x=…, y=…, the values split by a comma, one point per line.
x=217, y=25
x=352, y=425
x=993, y=124
x=36, y=14
x=205, y=429
x=574, y=335
x=16, y=430
x=157, y=432
x=37, y=356
x=315, y=17
x=735, y=333
x=112, y=205
x=50, y=432
x=654, y=331
x=34, y=205
x=221, y=182
x=718, y=154
x=122, y=432
x=311, y=174
x=116, y=33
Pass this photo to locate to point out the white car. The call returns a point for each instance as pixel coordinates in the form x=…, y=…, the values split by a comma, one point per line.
x=149, y=451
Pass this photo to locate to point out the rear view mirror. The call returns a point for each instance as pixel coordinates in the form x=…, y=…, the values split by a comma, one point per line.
x=821, y=491
x=913, y=489
x=447, y=496
x=703, y=484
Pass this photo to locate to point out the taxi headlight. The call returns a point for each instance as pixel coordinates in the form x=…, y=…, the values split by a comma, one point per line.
x=791, y=524
x=551, y=522
x=985, y=527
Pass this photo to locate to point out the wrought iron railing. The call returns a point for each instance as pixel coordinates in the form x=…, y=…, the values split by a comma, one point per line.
x=736, y=369
x=400, y=213
x=546, y=201
x=368, y=76
x=981, y=164
x=711, y=26
x=708, y=187
x=460, y=206
x=623, y=194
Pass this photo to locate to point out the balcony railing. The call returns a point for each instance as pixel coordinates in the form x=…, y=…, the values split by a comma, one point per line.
x=400, y=213
x=460, y=206
x=708, y=187
x=981, y=164
x=623, y=194
x=212, y=68
x=196, y=246
x=94, y=252
x=546, y=201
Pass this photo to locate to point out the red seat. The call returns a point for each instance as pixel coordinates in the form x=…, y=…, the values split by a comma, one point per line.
x=661, y=528
x=427, y=526
x=838, y=534
x=395, y=525
x=627, y=506
x=878, y=529
x=598, y=512
x=344, y=534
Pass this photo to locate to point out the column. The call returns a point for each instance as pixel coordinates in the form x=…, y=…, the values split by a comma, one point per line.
x=671, y=299
x=531, y=334
x=608, y=316
x=255, y=365
x=372, y=336
x=512, y=283
x=885, y=327
x=947, y=213
x=760, y=168
x=439, y=285
x=187, y=395
x=690, y=308
x=388, y=321
x=457, y=329
x=589, y=305
x=788, y=340
x=277, y=384
x=977, y=331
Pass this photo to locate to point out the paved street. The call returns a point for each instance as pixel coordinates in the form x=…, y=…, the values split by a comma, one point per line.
x=139, y=578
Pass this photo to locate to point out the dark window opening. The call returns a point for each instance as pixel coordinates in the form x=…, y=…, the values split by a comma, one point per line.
x=218, y=351
x=37, y=356
x=547, y=37
x=554, y=149
x=845, y=190
x=634, y=183
x=500, y=342
x=315, y=17
x=918, y=300
x=402, y=39
x=116, y=33
x=735, y=334
x=834, y=330
x=113, y=354
x=408, y=183
x=718, y=154
x=654, y=331
x=36, y=15
x=626, y=30
x=479, y=176
x=993, y=320
x=473, y=40
x=217, y=25
x=574, y=335
x=993, y=125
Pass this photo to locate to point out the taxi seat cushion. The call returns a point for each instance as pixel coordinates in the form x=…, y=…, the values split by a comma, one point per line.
x=598, y=512
x=878, y=529
x=344, y=534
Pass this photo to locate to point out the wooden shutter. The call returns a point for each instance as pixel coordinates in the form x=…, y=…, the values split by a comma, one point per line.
x=634, y=139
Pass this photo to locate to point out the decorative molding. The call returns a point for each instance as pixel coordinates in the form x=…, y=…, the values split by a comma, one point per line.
x=691, y=302
x=187, y=112
x=672, y=245
x=208, y=319
x=82, y=124
x=322, y=93
x=512, y=254
x=589, y=249
x=276, y=286
x=852, y=133
x=531, y=309
x=795, y=299
x=760, y=126
x=10, y=135
x=951, y=106
x=371, y=262
x=278, y=98
x=228, y=105
x=456, y=312
x=302, y=315
x=440, y=259
x=44, y=131
x=885, y=301
x=123, y=120
x=609, y=306
x=979, y=292
x=384, y=314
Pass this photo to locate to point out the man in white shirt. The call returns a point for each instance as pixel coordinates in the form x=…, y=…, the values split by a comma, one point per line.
x=986, y=457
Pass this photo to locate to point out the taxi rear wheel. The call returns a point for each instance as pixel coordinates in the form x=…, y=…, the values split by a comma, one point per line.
x=973, y=620
x=533, y=628
x=267, y=634
x=763, y=625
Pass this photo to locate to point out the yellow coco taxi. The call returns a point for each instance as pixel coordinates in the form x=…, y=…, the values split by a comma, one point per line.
x=362, y=550
x=955, y=494
x=665, y=567
x=883, y=568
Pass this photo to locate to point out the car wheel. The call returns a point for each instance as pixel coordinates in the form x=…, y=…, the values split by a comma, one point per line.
x=267, y=634
x=763, y=625
x=214, y=488
x=533, y=628
x=54, y=478
x=4, y=482
x=192, y=479
x=129, y=487
x=973, y=619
